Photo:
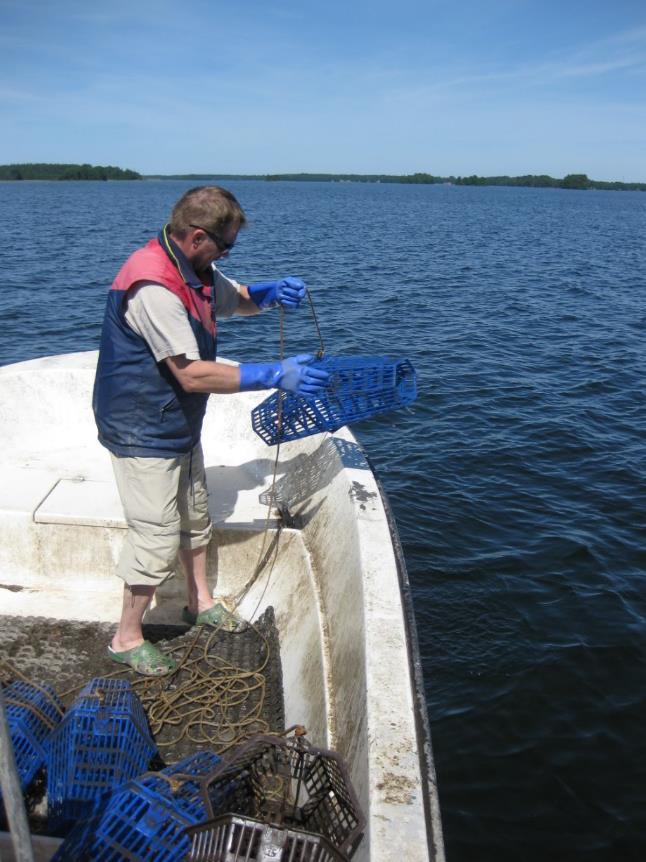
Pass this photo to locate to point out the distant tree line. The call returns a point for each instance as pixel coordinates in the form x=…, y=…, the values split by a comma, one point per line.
x=357, y=178
x=571, y=181
x=65, y=172
x=100, y=172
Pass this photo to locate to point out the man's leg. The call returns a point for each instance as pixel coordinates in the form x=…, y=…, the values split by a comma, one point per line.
x=194, y=538
x=148, y=491
x=135, y=603
x=197, y=588
x=193, y=507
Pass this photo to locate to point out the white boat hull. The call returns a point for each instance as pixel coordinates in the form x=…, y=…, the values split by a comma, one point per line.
x=337, y=584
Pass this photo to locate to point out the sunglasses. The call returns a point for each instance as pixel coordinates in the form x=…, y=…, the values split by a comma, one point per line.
x=221, y=244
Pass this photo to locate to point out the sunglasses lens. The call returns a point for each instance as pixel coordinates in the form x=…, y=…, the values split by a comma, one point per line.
x=221, y=244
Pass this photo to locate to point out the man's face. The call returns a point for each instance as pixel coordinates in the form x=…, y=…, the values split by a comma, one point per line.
x=207, y=246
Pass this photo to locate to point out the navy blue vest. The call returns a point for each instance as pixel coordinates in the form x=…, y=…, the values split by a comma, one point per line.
x=139, y=406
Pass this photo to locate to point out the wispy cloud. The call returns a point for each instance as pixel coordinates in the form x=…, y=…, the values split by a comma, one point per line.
x=16, y=95
x=600, y=56
x=620, y=53
x=635, y=34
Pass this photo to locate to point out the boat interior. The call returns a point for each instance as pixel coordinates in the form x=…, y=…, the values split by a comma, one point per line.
x=303, y=532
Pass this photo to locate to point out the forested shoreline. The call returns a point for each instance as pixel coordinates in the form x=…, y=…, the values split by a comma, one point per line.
x=45, y=171
x=100, y=172
x=571, y=181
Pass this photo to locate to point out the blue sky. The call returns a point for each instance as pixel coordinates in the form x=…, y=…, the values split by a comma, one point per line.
x=443, y=86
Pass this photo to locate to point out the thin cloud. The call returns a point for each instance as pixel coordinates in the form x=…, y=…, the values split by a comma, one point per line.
x=636, y=34
x=596, y=60
x=19, y=95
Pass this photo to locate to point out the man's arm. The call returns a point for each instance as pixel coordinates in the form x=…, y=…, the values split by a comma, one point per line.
x=294, y=374
x=201, y=375
x=246, y=305
x=231, y=297
x=159, y=317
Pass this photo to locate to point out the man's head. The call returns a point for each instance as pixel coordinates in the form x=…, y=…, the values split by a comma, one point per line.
x=205, y=222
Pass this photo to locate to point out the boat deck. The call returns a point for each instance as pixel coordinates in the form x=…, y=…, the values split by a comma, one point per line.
x=229, y=687
x=68, y=654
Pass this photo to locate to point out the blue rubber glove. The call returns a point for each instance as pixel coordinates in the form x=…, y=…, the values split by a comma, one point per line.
x=287, y=292
x=293, y=375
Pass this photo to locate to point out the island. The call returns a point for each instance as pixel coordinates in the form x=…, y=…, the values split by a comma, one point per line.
x=65, y=172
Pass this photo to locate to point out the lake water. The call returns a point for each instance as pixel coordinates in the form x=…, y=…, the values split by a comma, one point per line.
x=517, y=478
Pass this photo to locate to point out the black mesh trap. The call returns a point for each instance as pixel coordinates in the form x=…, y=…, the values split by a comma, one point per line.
x=279, y=799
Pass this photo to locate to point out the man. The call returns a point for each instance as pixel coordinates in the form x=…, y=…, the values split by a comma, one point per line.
x=157, y=366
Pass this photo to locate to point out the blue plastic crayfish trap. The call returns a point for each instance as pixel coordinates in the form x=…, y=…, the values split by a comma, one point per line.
x=146, y=818
x=102, y=741
x=359, y=387
x=32, y=713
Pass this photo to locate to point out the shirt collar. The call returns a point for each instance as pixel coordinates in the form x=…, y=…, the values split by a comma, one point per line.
x=178, y=257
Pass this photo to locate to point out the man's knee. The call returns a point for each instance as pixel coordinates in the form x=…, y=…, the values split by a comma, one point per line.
x=150, y=553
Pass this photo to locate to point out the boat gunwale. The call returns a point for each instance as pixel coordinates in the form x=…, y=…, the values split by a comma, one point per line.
x=434, y=835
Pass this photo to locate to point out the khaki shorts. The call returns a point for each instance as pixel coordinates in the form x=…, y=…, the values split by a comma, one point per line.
x=166, y=507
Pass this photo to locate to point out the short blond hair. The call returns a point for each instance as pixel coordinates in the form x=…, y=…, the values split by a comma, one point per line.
x=209, y=207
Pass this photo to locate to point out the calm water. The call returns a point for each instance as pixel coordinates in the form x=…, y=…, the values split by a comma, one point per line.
x=518, y=478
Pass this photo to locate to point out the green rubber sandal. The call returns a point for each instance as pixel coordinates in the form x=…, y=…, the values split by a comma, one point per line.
x=145, y=659
x=218, y=617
